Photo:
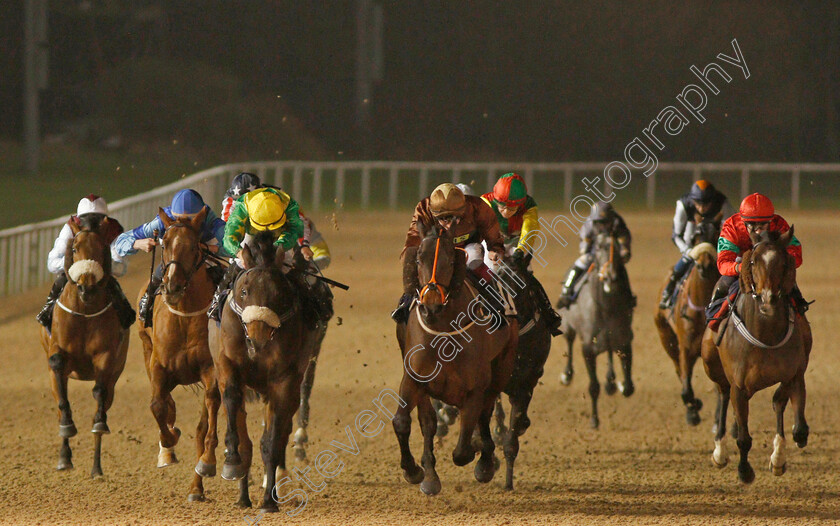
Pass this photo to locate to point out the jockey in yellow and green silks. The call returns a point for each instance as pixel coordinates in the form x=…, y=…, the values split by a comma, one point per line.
x=518, y=219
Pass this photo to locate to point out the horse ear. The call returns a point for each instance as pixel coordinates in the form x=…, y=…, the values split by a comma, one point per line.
x=785, y=238
x=74, y=227
x=198, y=220
x=789, y=278
x=247, y=257
x=106, y=267
x=279, y=255
x=167, y=222
x=746, y=271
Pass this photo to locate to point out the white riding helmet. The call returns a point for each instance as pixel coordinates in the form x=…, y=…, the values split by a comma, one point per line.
x=92, y=204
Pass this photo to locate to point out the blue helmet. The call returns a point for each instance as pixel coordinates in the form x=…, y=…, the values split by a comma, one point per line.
x=187, y=202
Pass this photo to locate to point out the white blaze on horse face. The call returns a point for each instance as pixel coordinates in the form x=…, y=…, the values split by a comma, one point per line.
x=263, y=314
x=777, y=458
x=720, y=455
x=86, y=266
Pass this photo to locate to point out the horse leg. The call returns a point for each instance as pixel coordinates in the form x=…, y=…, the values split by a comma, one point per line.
x=442, y=425
x=279, y=420
x=206, y=447
x=741, y=405
x=103, y=393
x=567, y=375
x=402, y=428
x=245, y=453
x=234, y=468
x=778, y=463
x=609, y=382
x=485, y=468
x=692, y=404
x=519, y=422
x=720, y=456
x=301, y=438
x=797, y=400
x=464, y=452
x=428, y=426
x=160, y=406
x=499, y=413
x=66, y=427
x=626, y=387
x=594, y=386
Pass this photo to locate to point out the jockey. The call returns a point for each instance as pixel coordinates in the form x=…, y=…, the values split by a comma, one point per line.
x=185, y=205
x=468, y=220
x=92, y=210
x=313, y=246
x=703, y=202
x=602, y=219
x=755, y=215
x=516, y=212
x=266, y=209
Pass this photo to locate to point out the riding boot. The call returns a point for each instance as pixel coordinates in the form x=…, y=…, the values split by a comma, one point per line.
x=569, y=287
x=214, y=312
x=411, y=283
x=553, y=319
x=676, y=275
x=45, y=316
x=125, y=312
x=146, y=307
x=799, y=303
x=719, y=304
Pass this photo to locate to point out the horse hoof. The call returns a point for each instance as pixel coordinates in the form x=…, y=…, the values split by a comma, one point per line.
x=594, y=422
x=627, y=389
x=67, y=431
x=205, y=470
x=430, y=486
x=233, y=471
x=300, y=453
x=719, y=464
x=243, y=503
x=483, y=472
x=566, y=378
x=101, y=428
x=195, y=497
x=269, y=506
x=778, y=470
x=692, y=417
x=463, y=458
x=610, y=388
x=698, y=404
x=64, y=465
x=746, y=474
x=166, y=456
x=300, y=436
x=414, y=477
x=524, y=424
x=800, y=436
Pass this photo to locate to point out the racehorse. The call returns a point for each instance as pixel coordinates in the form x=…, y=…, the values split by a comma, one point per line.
x=602, y=315
x=86, y=340
x=681, y=326
x=531, y=355
x=263, y=344
x=175, y=347
x=763, y=342
x=466, y=367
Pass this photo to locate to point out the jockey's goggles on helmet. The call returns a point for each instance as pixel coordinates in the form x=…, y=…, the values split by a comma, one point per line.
x=757, y=226
x=448, y=218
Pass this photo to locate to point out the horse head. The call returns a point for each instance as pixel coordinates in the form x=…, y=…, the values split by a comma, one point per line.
x=768, y=272
x=87, y=261
x=705, y=257
x=182, y=254
x=608, y=260
x=263, y=296
x=707, y=231
x=437, y=262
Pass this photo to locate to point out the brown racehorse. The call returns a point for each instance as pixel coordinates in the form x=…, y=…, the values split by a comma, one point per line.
x=762, y=343
x=681, y=326
x=454, y=353
x=263, y=344
x=86, y=340
x=175, y=347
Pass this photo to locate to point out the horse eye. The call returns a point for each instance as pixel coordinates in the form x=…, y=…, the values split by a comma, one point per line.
x=243, y=294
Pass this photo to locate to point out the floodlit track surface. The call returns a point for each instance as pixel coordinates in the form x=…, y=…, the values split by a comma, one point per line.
x=643, y=466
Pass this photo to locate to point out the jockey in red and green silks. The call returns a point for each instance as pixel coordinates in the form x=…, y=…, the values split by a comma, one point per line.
x=518, y=220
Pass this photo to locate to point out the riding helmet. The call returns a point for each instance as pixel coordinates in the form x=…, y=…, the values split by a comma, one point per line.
x=447, y=199
x=187, y=203
x=266, y=209
x=510, y=190
x=702, y=191
x=92, y=204
x=757, y=208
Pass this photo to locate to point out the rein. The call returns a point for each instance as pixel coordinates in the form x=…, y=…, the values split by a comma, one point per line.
x=462, y=330
x=602, y=272
x=742, y=328
x=188, y=274
x=71, y=311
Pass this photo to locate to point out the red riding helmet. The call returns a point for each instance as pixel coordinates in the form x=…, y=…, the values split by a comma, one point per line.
x=510, y=190
x=757, y=208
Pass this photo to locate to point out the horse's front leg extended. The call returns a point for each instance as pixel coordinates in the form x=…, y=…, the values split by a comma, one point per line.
x=594, y=386
x=282, y=404
x=234, y=468
x=797, y=400
x=103, y=393
x=66, y=428
x=720, y=456
x=161, y=409
x=428, y=426
x=627, y=387
x=778, y=462
x=301, y=437
x=692, y=404
x=567, y=374
x=402, y=428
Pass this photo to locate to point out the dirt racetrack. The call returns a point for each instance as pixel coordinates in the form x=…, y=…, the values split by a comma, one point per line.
x=644, y=466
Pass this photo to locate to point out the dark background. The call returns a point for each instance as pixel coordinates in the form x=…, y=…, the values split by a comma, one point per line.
x=528, y=81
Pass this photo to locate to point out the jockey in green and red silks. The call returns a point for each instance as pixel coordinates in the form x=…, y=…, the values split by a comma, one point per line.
x=517, y=214
x=756, y=215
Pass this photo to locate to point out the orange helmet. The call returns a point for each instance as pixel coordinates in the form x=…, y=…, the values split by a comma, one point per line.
x=757, y=208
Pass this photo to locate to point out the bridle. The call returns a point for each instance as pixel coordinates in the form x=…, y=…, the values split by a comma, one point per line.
x=603, y=272
x=780, y=294
x=433, y=281
x=188, y=272
x=238, y=310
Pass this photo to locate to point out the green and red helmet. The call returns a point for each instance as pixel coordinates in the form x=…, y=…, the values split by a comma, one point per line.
x=510, y=190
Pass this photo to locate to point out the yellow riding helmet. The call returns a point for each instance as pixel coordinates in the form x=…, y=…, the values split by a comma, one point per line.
x=447, y=199
x=266, y=210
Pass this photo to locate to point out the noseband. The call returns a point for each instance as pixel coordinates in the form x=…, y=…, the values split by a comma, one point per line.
x=188, y=273
x=239, y=310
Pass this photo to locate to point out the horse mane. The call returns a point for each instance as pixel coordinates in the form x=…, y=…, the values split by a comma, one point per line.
x=263, y=250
